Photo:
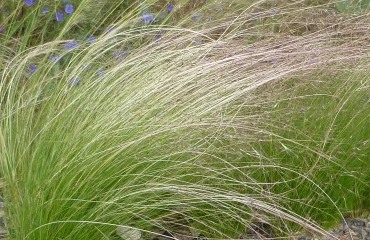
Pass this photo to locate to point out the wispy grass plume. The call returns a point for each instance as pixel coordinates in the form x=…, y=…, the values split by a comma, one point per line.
x=164, y=127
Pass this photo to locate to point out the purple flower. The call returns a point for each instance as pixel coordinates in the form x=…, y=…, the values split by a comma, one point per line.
x=32, y=68
x=258, y=14
x=69, y=9
x=197, y=16
x=161, y=16
x=101, y=72
x=170, y=8
x=108, y=30
x=120, y=54
x=29, y=3
x=71, y=45
x=59, y=16
x=75, y=81
x=273, y=11
x=2, y=30
x=5, y=10
x=55, y=59
x=91, y=39
x=147, y=18
x=44, y=10
x=158, y=37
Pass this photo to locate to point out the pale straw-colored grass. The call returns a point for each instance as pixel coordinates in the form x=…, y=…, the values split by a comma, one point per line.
x=174, y=130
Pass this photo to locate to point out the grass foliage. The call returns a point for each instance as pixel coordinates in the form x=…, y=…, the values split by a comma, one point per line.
x=214, y=118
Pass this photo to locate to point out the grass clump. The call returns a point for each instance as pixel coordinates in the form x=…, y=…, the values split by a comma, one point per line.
x=213, y=127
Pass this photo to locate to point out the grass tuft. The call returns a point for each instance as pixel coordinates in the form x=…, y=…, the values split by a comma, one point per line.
x=213, y=127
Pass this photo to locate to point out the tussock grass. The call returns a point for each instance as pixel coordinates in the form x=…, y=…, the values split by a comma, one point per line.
x=204, y=129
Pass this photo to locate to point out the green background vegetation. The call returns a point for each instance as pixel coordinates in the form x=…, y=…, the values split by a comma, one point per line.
x=213, y=118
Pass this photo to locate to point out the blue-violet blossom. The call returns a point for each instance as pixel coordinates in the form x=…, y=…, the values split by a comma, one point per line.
x=170, y=8
x=44, y=10
x=71, y=45
x=32, y=68
x=147, y=18
x=69, y=9
x=59, y=16
x=29, y=3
